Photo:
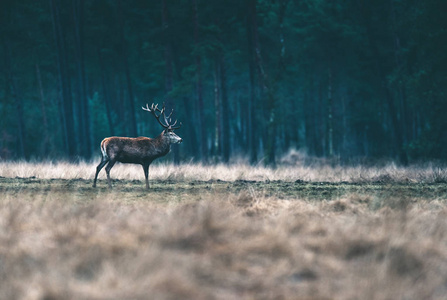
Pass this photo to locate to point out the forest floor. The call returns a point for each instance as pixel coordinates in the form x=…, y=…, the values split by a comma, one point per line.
x=381, y=236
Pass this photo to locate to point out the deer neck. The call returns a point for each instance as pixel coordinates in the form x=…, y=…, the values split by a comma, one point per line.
x=163, y=145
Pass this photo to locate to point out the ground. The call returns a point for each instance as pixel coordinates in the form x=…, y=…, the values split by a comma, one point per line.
x=214, y=236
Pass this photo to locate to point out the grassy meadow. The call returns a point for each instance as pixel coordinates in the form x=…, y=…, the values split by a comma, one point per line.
x=223, y=232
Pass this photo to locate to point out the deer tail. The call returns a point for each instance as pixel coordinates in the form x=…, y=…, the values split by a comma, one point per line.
x=104, y=149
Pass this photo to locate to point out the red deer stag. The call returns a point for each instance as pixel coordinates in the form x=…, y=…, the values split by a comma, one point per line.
x=140, y=150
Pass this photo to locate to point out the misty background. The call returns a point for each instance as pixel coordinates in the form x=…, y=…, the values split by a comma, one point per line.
x=342, y=80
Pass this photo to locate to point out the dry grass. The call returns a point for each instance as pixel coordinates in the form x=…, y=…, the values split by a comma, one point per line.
x=238, y=171
x=65, y=240
x=241, y=247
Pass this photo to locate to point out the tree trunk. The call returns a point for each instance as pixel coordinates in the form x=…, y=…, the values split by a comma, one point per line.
x=83, y=111
x=269, y=99
x=308, y=123
x=106, y=94
x=168, y=70
x=125, y=60
x=225, y=112
x=296, y=125
x=251, y=111
x=330, y=111
x=402, y=101
x=217, y=110
x=269, y=85
x=64, y=81
x=344, y=146
x=118, y=99
x=199, y=86
x=321, y=120
x=46, y=133
x=193, y=143
x=21, y=147
x=397, y=129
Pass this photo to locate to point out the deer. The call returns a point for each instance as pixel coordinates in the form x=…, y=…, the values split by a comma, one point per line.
x=139, y=150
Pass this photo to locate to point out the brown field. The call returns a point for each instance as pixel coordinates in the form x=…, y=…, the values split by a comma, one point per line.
x=223, y=232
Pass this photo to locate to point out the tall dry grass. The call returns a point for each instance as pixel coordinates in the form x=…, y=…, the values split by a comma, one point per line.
x=319, y=172
x=243, y=246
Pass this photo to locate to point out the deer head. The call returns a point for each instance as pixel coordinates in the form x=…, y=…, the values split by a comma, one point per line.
x=169, y=128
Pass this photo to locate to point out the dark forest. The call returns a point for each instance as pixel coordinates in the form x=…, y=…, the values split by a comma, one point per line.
x=343, y=80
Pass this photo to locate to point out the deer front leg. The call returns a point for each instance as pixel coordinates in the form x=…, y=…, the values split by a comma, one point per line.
x=146, y=174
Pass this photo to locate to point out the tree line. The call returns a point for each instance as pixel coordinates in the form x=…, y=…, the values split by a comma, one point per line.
x=254, y=78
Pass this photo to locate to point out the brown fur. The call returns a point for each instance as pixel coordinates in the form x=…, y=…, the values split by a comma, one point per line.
x=138, y=150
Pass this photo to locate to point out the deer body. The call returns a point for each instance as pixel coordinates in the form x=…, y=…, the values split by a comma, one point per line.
x=140, y=150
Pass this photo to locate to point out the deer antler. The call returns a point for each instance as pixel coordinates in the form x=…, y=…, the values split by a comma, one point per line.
x=154, y=109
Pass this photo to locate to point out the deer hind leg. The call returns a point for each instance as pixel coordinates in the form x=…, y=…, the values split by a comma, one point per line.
x=103, y=162
x=146, y=174
x=108, y=167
